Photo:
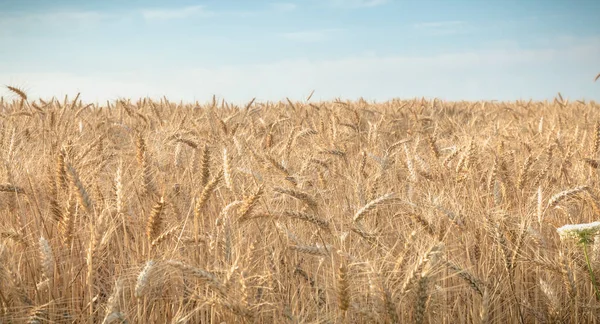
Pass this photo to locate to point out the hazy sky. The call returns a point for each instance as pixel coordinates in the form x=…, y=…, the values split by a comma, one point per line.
x=377, y=49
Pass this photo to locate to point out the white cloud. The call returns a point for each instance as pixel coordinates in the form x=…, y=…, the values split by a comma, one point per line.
x=311, y=35
x=176, y=13
x=485, y=74
x=284, y=6
x=359, y=3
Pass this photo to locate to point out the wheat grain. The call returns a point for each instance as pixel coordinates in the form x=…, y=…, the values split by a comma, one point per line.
x=47, y=258
x=300, y=195
x=82, y=194
x=144, y=278
x=154, y=224
x=557, y=198
x=322, y=223
x=370, y=206
x=227, y=171
x=205, y=167
x=343, y=290
x=18, y=92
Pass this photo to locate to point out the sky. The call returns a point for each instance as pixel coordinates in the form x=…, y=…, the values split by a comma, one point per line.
x=347, y=49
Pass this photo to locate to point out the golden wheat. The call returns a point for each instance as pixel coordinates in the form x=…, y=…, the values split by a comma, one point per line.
x=324, y=212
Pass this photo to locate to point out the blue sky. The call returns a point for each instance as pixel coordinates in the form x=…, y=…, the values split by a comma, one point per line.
x=376, y=49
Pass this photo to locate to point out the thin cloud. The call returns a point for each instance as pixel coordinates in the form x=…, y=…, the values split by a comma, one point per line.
x=484, y=74
x=71, y=16
x=442, y=28
x=359, y=3
x=311, y=35
x=79, y=15
x=439, y=24
x=284, y=6
x=176, y=13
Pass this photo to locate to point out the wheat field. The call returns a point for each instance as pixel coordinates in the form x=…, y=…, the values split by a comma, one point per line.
x=407, y=211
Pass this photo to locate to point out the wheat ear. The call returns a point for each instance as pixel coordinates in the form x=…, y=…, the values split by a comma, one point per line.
x=360, y=214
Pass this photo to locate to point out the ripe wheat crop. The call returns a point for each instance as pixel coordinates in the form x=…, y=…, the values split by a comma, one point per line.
x=407, y=211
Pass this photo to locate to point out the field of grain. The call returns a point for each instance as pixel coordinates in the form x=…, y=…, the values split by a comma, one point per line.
x=414, y=211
